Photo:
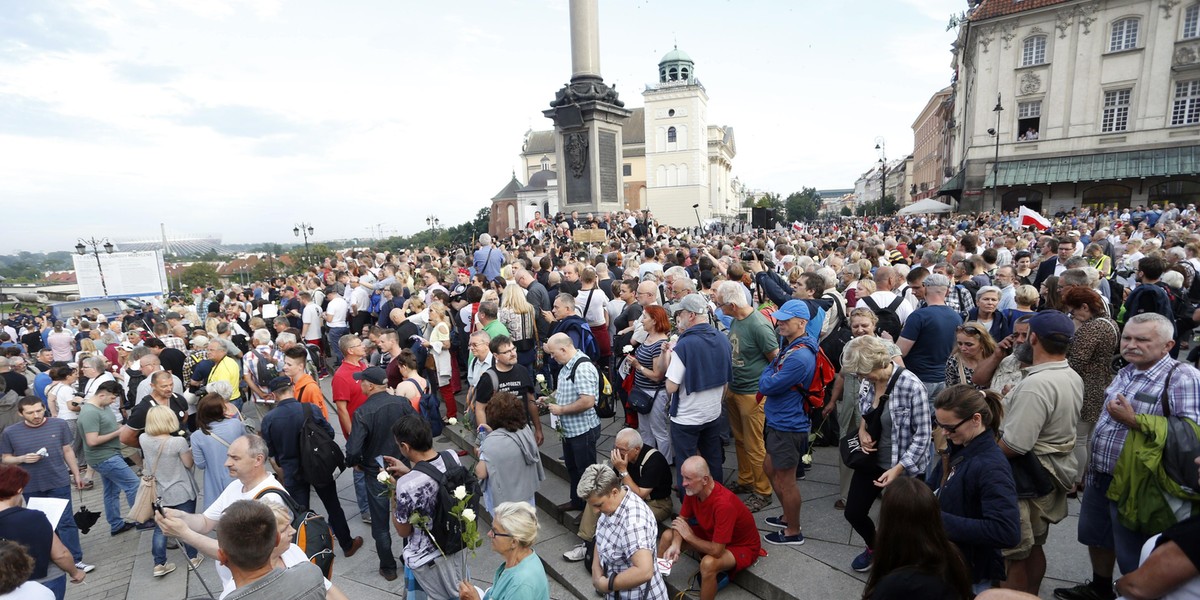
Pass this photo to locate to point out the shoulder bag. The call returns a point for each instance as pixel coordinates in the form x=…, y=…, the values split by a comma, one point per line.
x=147, y=493
x=850, y=446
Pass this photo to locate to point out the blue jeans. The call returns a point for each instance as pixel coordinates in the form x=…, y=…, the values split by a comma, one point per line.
x=335, y=334
x=67, y=530
x=705, y=440
x=360, y=493
x=58, y=586
x=579, y=453
x=381, y=522
x=116, y=477
x=158, y=547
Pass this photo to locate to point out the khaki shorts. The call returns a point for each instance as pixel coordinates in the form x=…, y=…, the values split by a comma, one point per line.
x=1036, y=516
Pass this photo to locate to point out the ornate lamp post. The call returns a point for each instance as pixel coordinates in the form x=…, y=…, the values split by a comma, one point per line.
x=306, y=230
x=996, y=161
x=881, y=148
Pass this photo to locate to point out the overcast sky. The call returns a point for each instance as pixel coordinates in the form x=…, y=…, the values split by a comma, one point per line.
x=243, y=118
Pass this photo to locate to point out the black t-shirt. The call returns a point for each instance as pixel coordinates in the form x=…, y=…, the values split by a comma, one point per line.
x=655, y=474
x=516, y=380
x=172, y=360
x=137, y=416
x=1186, y=533
x=290, y=305
x=906, y=583
x=32, y=341
x=17, y=383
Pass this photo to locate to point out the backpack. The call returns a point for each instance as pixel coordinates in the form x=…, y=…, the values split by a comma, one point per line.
x=320, y=455
x=313, y=534
x=265, y=369
x=1181, y=308
x=430, y=408
x=889, y=319
x=1116, y=298
x=445, y=526
x=587, y=340
x=823, y=373
x=606, y=400
x=838, y=337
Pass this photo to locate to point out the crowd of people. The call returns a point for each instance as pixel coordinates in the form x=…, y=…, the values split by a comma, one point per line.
x=975, y=375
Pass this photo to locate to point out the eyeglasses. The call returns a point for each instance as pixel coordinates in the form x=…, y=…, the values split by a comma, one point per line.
x=951, y=428
x=495, y=534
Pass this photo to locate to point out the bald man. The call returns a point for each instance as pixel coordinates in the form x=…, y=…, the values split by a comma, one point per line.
x=725, y=534
x=578, y=387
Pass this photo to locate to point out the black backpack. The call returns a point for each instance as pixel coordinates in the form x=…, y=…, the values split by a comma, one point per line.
x=838, y=337
x=445, y=526
x=606, y=400
x=313, y=534
x=320, y=455
x=889, y=319
x=265, y=369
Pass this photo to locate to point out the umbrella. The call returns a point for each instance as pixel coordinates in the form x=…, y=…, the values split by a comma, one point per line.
x=84, y=518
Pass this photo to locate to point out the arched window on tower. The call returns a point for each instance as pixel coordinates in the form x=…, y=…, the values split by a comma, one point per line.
x=674, y=74
x=545, y=163
x=671, y=135
x=683, y=73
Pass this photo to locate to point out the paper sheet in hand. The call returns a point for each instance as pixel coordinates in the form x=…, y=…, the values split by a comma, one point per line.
x=270, y=311
x=52, y=507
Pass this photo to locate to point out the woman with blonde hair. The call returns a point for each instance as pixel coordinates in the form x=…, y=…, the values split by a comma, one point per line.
x=168, y=458
x=438, y=344
x=519, y=316
x=894, y=431
x=521, y=576
x=972, y=344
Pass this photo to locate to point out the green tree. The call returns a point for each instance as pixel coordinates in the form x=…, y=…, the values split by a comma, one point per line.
x=319, y=252
x=804, y=205
x=264, y=269
x=749, y=203
x=846, y=212
x=198, y=274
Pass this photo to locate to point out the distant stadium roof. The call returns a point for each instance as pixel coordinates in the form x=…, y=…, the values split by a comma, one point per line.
x=179, y=245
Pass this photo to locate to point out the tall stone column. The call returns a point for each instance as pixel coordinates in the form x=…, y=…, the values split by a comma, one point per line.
x=587, y=119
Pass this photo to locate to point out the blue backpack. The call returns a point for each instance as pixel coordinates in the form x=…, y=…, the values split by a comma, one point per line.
x=430, y=408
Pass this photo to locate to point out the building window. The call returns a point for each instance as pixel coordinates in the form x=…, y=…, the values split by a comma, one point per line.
x=1191, y=22
x=1033, y=51
x=673, y=74
x=1124, y=35
x=1186, y=110
x=545, y=163
x=626, y=170
x=1029, y=118
x=671, y=135
x=1180, y=191
x=1116, y=111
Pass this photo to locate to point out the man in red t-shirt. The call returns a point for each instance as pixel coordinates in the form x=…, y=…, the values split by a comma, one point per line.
x=713, y=522
x=348, y=396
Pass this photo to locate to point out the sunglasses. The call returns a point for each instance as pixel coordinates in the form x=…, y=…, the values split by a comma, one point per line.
x=968, y=330
x=951, y=428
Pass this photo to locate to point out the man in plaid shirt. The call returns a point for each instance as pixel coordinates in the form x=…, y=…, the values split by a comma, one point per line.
x=578, y=386
x=1137, y=390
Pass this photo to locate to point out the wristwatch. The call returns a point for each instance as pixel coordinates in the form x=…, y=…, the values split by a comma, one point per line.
x=624, y=474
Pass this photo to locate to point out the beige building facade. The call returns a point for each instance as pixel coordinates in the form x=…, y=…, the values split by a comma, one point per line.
x=1086, y=103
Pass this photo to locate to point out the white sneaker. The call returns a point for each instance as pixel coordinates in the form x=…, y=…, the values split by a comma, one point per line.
x=86, y=568
x=160, y=570
x=576, y=554
x=195, y=562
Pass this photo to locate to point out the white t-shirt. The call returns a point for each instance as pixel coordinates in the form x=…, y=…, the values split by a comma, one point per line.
x=311, y=318
x=884, y=300
x=595, y=309
x=290, y=557
x=646, y=267
x=63, y=395
x=338, y=310
x=30, y=590
x=1187, y=591
x=232, y=493
x=694, y=409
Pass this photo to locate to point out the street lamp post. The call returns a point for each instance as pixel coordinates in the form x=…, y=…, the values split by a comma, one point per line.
x=305, y=229
x=996, y=160
x=433, y=222
x=81, y=249
x=696, y=207
x=881, y=147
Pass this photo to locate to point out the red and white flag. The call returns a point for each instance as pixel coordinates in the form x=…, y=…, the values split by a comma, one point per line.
x=796, y=226
x=1032, y=218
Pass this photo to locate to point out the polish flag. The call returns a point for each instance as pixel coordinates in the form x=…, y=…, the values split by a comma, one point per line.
x=796, y=226
x=1032, y=218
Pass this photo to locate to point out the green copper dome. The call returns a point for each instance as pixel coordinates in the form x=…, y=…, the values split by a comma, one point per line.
x=676, y=66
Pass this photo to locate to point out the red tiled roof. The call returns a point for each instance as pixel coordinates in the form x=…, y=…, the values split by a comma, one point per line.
x=998, y=8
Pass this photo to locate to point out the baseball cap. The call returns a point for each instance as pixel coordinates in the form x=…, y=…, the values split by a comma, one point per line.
x=1052, y=324
x=174, y=315
x=792, y=309
x=279, y=383
x=374, y=375
x=694, y=303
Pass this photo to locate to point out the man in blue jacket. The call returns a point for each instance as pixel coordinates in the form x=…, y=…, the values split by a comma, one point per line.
x=785, y=434
x=700, y=370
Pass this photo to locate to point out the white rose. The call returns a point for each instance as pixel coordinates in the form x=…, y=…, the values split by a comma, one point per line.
x=541, y=378
x=452, y=421
x=468, y=514
x=627, y=349
x=807, y=459
x=674, y=338
x=383, y=477
x=460, y=492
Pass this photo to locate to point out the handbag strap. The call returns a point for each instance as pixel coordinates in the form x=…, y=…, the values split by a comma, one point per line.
x=1164, y=401
x=161, y=446
x=887, y=393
